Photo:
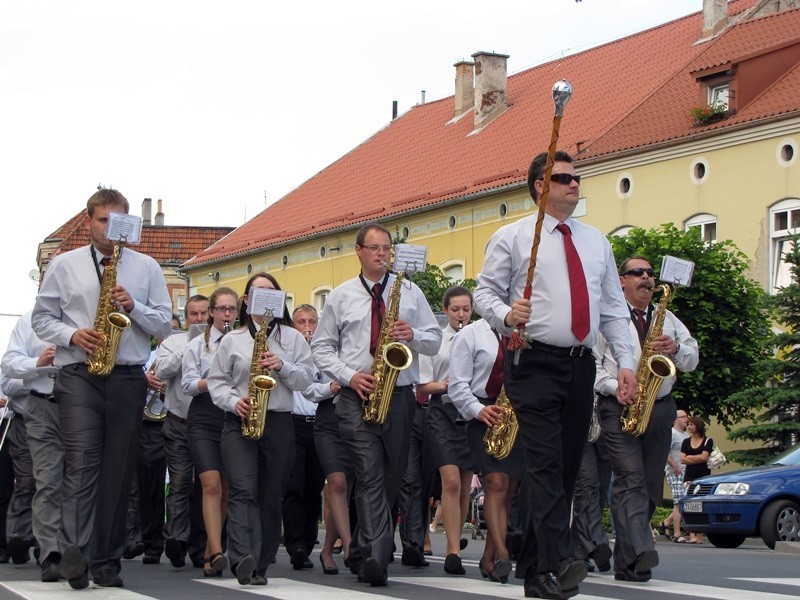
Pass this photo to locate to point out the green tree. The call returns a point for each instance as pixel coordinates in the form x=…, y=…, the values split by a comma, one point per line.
x=774, y=406
x=724, y=311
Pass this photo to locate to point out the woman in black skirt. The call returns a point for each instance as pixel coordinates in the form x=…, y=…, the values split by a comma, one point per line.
x=446, y=431
x=476, y=371
x=205, y=424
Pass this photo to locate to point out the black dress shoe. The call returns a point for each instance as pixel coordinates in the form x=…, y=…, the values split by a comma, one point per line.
x=258, y=580
x=570, y=573
x=645, y=562
x=108, y=578
x=413, y=557
x=133, y=550
x=175, y=552
x=373, y=573
x=602, y=557
x=299, y=559
x=630, y=575
x=73, y=568
x=18, y=549
x=542, y=585
x=244, y=570
x=151, y=558
x=453, y=566
x=50, y=568
x=4, y=557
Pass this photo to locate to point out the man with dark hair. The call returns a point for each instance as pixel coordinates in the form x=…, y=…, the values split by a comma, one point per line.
x=343, y=346
x=575, y=295
x=100, y=416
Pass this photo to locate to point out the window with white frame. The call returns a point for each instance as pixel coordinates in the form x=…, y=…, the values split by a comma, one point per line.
x=718, y=94
x=321, y=297
x=621, y=231
x=182, y=307
x=784, y=220
x=706, y=226
x=290, y=303
x=454, y=270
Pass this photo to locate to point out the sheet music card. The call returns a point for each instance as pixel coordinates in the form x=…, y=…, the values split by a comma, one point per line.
x=262, y=300
x=124, y=228
x=676, y=271
x=410, y=258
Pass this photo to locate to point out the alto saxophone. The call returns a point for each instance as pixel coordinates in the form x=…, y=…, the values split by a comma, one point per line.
x=389, y=359
x=498, y=441
x=260, y=385
x=108, y=322
x=652, y=370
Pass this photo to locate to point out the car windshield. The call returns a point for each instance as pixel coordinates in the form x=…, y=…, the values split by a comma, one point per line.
x=789, y=458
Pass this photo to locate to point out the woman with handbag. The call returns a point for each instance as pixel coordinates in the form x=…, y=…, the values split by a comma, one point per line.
x=695, y=451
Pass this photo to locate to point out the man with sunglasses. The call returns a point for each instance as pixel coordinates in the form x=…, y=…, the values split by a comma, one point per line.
x=575, y=295
x=638, y=462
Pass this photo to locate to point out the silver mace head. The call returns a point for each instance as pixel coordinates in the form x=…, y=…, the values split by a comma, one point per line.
x=562, y=91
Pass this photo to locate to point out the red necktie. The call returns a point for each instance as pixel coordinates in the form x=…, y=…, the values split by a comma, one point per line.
x=577, y=285
x=495, y=381
x=641, y=325
x=378, y=308
x=104, y=261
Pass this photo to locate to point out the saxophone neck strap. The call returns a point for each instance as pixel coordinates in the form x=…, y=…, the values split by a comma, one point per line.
x=97, y=263
x=375, y=297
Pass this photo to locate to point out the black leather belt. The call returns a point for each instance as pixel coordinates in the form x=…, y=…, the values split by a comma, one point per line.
x=174, y=417
x=48, y=397
x=305, y=418
x=568, y=352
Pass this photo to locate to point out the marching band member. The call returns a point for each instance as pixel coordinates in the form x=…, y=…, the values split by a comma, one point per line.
x=476, y=378
x=205, y=424
x=258, y=469
x=446, y=429
x=343, y=347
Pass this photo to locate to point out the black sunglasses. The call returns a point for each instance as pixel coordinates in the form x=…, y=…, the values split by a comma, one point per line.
x=565, y=178
x=639, y=271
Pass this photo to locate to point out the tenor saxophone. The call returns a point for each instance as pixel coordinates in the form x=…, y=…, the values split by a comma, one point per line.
x=389, y=359
x=260, y=385
x=108, y=322
x=652, y=370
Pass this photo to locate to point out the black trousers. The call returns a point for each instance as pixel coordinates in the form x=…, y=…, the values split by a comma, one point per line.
x=100, y=419
x=302, y=502
x=181, y=478
x=146, y=509
x=379, y=454
x=6, y=485
x=591, y=490
x=552, y=395
x=412, y=500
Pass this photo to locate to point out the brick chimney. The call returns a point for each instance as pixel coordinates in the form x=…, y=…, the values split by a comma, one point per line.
x=159, y=216
x=147, y=210
x=491, y=87
x=465, y=86
x=715, y=17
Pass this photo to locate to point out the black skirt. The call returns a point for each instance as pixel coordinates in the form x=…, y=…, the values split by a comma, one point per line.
x=447, y=435
x=333, y=457
x=513, y=465
x=205, y=432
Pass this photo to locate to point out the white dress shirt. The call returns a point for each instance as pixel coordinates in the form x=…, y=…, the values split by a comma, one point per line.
x=197, y=360
x=69, y=295
x=437, y=368
x=169, y=369
x=21, y=358
x=341, y=342
x=505, y=269
x=472, y=357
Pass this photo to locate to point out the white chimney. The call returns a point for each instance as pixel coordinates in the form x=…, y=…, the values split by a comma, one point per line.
x=491, y=87
x=147, y=210
x=159, y=216
x=715, y=17
x=465, y=86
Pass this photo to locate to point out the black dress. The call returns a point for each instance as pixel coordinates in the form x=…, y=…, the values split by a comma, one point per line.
x=696, y=470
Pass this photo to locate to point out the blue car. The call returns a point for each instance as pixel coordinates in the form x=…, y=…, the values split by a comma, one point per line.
x=762, y=501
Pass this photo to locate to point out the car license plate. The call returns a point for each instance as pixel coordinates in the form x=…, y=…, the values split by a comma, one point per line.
x=693, y=507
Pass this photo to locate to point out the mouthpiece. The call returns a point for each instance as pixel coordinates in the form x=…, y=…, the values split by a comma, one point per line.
x=308, y=335
x=226, y=327
x=562, y=91
x=460, y=325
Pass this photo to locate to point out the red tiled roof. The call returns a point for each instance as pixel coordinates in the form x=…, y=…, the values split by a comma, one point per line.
x=422, y=158
x=167, y=244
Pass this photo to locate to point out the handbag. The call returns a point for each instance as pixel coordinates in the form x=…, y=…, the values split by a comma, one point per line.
x=716, y=459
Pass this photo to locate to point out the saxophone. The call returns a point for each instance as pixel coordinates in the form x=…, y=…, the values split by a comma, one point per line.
x=390, y=358
x=260, y=385
x=499, y=439
x=652, y=370
x=108, y=322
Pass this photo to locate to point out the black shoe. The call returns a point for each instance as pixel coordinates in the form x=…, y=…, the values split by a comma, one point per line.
x=197, y=560
x=413, y=557
x=36, y=554
x=258, y=580
x=18, y=549
x=337, y=549
x=589, y=565
x=462, y=543
x=453, y=566
x=299, y=559
x=542, y=585
x=133, y=550
x=151, y=558
x=570, y=573
x=244, y=570
x=629, y=575
x=50, y=568
x=175, y=552
x=73, y=568
x=645, y=562
x=334, y=570
x=373, y=573
x=602, y=558
x=502, y=567
x=107, y=578
x=4, y=557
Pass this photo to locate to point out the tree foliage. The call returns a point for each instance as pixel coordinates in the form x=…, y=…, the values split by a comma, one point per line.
x=774, y=406
x=724, y=311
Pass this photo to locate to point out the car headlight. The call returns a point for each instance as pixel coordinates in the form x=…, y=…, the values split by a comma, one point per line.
x=732, y=489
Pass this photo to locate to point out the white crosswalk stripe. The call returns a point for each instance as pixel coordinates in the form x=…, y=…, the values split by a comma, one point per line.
x=477, y=587
x=36, y=590
x=289, y=589
x=694, y=589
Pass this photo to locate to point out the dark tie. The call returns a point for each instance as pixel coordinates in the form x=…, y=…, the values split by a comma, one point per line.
x=577, y=286
x=104, y=262
x=495, y=381
x=641, y=324
x=378, y=308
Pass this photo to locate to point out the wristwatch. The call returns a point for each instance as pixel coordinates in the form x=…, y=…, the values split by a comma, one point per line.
x=677, y=347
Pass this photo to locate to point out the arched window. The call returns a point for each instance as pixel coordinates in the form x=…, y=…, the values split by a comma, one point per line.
x=706, y=225
x=453, y=269
x=621, y=231
x=320, y=296
x=784, y=220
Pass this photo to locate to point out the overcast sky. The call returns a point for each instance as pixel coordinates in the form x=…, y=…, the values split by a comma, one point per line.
x=217, y=107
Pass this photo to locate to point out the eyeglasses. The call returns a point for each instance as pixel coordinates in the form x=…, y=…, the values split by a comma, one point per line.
x=376, y=247
x=565, y=178
x=639, y=271
x=683, y=416
x=226, y=309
